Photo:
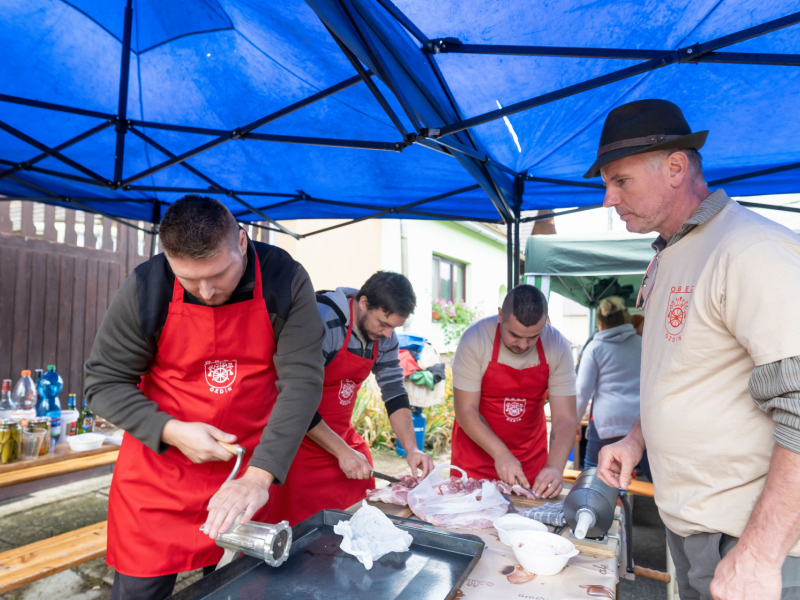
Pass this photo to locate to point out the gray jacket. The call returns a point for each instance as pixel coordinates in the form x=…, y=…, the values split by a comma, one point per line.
x=609, y=371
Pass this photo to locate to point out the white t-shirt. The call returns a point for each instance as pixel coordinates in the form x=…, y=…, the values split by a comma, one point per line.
x=725, y=300
x=474, y=353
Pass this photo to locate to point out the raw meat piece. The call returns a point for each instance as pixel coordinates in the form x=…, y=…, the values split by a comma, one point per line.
x=396, y=493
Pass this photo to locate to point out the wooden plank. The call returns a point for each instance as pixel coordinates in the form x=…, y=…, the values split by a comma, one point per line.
x=641, y=488
x=21, y=310
x=28, y=229
x=8, y=269
x=60, y=453
x=64, y=467
x=65, y=287
x=50, y=232
x=89, y=239
x=70, y=235
x=6, y=226
x=90, y=322
x=36, y=314
x=36, y=245
x=76, y=359
x=51, y=291
x=108, y=242
x=102, y=294
x=30, y=563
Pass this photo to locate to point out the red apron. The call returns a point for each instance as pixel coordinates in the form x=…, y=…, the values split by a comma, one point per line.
x=512, y=402
x=213, y=365
x=315, y=481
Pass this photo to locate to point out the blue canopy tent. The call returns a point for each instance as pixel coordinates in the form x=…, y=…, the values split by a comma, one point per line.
x=473, y=110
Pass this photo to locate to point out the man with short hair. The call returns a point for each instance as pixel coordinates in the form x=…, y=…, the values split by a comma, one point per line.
x=334, y=461
x=218, y=339
x=720, y=385
x=504, y=370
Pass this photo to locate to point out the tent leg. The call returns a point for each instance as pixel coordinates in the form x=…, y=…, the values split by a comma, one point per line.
x=154, y=231
x=516, y=249
x=122, y=109
x=510, y=256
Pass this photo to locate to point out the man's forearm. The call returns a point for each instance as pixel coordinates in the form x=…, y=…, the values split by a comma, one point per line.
x=562, y=441
x=327, y=438
x=636, y=435
x=774, y=524
x=403, y=426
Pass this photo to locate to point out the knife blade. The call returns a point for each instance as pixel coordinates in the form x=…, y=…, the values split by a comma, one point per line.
x=384, y=477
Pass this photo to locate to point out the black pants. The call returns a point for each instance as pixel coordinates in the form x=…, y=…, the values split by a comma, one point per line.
x=146, y=588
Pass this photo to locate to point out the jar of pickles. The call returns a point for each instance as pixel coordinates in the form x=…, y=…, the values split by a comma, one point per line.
x=10, y=441
x=41, y=423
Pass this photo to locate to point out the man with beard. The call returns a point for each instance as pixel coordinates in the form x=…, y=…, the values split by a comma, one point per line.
x=218, y=339
x=333, y=468
x=504, y=370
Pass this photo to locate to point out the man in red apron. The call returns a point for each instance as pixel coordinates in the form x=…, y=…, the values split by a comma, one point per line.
x=333, y=466
x=217, y=339
x=504, y=370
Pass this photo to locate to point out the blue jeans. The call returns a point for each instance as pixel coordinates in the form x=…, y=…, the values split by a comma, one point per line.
x=594, y=444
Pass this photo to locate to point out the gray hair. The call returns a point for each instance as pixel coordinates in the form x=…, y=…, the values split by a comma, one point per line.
x=656, y=159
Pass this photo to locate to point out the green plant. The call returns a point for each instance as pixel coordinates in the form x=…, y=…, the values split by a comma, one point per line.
x=440, y=419
x=455, y=317
x=370, y=419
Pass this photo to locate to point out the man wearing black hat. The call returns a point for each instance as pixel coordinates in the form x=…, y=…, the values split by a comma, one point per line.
x=720, y=385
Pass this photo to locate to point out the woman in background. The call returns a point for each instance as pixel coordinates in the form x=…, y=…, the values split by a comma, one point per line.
x=609, y=373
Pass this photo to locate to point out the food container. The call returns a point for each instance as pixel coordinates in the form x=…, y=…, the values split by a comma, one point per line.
x=10, y=441
x=69, y=424
x=32, y=440
x=540, y=552
x=42, y=423
x=508, y=523
x=86, y=441
x=23, y=416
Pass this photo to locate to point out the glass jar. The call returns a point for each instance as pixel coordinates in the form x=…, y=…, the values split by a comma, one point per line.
x=10, y=441
x=41, y=423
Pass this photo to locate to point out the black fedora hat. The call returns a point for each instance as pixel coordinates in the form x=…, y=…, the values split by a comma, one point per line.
x=643, y=126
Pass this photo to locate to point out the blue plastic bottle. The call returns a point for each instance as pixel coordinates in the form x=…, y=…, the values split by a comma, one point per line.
x=50, y=386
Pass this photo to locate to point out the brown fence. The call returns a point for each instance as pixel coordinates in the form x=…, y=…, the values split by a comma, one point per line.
x=59, y=270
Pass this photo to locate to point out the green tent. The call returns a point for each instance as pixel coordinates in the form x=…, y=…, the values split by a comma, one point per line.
x=588, y=268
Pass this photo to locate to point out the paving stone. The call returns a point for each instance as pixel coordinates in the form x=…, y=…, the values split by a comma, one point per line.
x=53, y=519
x=66, y=584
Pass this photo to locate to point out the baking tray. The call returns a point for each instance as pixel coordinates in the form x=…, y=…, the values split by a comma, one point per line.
x=434, y=568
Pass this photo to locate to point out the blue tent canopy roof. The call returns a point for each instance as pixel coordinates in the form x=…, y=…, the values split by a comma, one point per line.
x=201, y=71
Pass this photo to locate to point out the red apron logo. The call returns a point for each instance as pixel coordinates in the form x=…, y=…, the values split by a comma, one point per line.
x=346, y=391
x=677, y=310
x=514, y=408
x=220, y=375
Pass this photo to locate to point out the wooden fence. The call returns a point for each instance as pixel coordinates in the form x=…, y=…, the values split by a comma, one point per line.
x=59, y=270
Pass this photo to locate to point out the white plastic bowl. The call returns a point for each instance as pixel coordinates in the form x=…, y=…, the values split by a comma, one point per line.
x=508, y=523
x=85, y=441
x=525, y=543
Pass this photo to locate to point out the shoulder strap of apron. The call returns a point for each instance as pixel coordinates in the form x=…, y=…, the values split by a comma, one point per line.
x=540, y=350
x=496, y=347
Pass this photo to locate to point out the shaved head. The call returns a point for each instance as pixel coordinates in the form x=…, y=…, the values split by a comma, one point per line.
x=526, y=303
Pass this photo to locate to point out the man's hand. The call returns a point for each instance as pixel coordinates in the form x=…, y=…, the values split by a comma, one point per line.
x=549, y=483
x=354, y=464
x=616, y=461
x=742, y=575
x=244, y=495
x=197, y=441
x=417, y=459
x=509, y=469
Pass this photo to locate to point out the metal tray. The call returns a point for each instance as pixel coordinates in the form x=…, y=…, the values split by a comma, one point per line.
x=434, y=568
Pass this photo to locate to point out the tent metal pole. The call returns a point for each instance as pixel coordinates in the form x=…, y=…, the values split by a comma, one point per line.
x=558, y=214
x=58, y=174
x=180, y=190
x=122, y=108
x=770, y=171
x=456, y=147
x=510, y=256
x=156, y=219
x=516, y=249
x=55, y=107
x=270, y=207
x=792, y=209
x=583, y=184
x=403, y=20
x=213, y=183
x=333, y=143
x=27, y=164
x=51, y=152
x=398, y=209
x=688, y=54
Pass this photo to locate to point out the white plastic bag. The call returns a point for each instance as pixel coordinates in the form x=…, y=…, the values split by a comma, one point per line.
x=463, y=510
x=369, y=534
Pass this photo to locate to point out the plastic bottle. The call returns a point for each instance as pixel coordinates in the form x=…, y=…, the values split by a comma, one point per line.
x=49, y=387
x=24, y=397
x=7, y=405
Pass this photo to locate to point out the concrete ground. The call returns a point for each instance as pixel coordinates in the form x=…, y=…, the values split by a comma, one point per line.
x=41, y=515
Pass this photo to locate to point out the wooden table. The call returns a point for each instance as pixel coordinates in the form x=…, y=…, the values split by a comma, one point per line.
x=59, y=461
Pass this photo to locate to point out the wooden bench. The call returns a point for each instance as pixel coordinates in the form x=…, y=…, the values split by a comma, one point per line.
x=60, y=461
x=30, y=563
x=641, y=488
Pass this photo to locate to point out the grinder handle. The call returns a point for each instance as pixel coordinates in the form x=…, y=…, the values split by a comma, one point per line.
x=232, y=448
x=238, y=452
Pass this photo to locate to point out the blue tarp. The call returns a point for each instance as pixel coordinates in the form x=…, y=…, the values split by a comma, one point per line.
x=222, y=64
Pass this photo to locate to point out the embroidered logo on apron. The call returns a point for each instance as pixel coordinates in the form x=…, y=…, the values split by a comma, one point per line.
x=220, y=375
x=347, y=391
x=677, y=309
x=514, y=408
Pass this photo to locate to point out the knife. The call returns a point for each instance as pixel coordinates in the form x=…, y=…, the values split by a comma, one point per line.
x=384, y=477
